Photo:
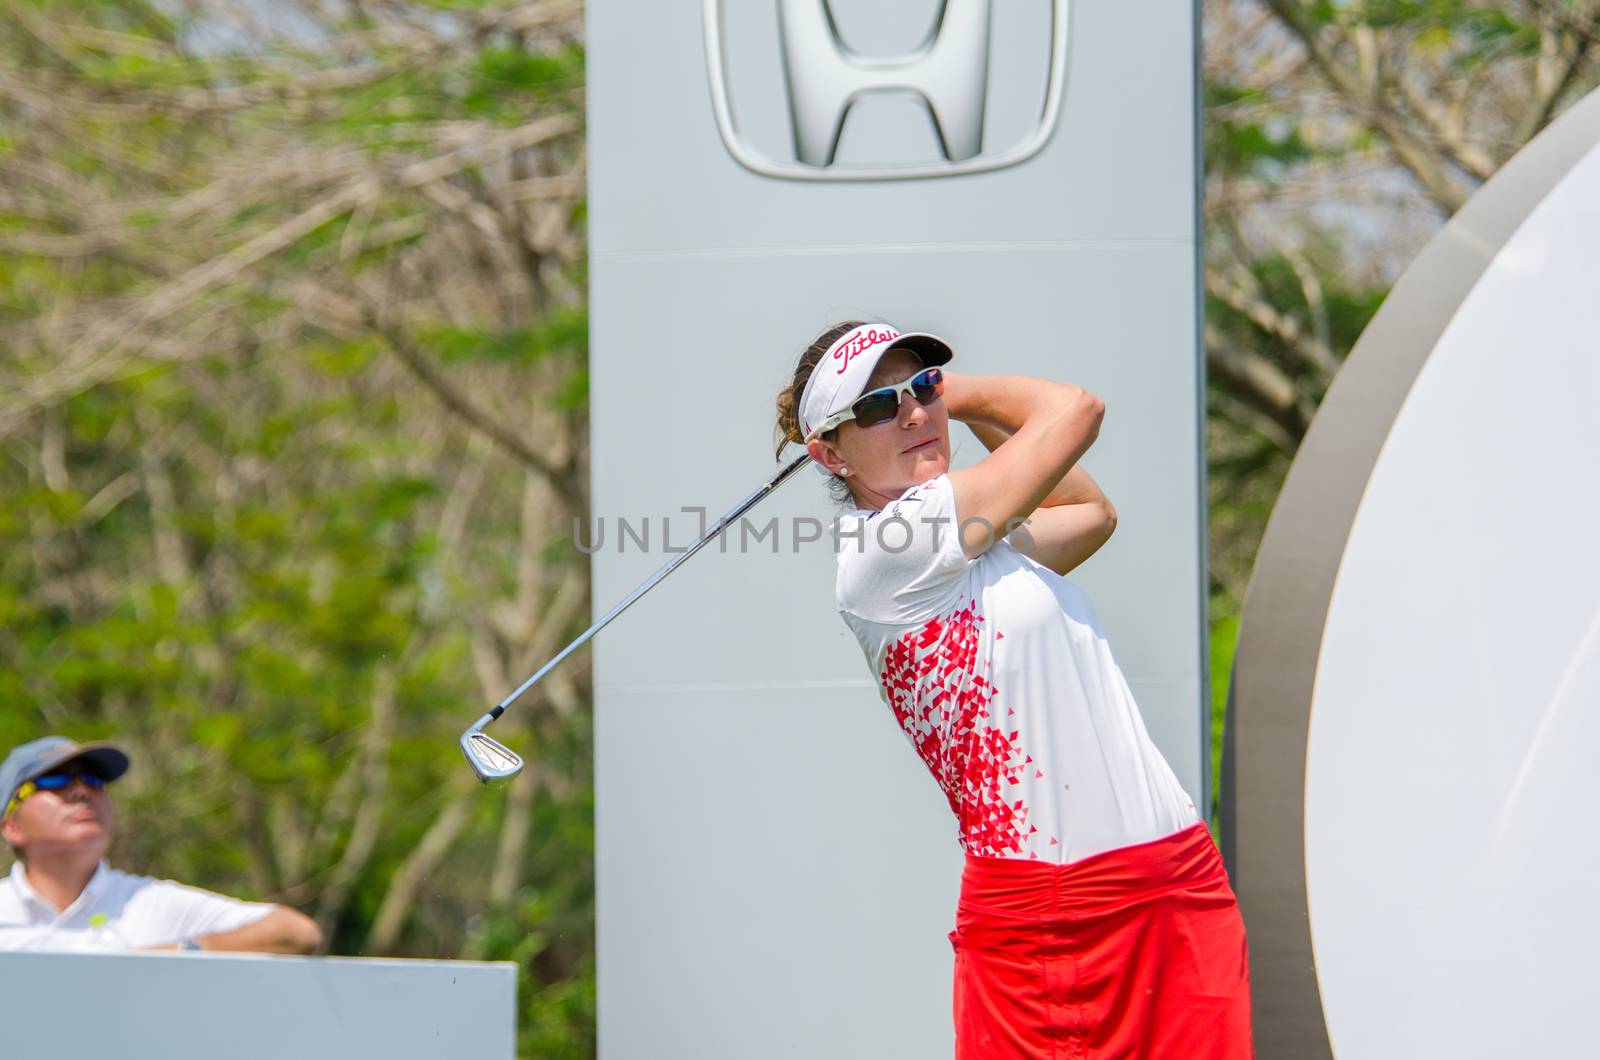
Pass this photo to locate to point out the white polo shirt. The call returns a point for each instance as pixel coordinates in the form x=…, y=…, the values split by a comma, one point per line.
x=997, y=670
x=115, y=912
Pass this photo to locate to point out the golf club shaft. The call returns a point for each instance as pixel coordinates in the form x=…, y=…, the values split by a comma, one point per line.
x=667, y=568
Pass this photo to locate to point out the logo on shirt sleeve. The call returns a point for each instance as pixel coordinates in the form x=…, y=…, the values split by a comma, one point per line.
x=914, y=495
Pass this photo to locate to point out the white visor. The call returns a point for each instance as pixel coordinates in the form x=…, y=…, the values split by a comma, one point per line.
x=842, y=374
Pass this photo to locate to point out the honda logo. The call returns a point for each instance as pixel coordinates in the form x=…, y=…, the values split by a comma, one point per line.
x=822, y=79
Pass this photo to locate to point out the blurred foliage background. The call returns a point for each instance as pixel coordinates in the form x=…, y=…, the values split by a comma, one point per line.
x=293, y=403
x=292, y=411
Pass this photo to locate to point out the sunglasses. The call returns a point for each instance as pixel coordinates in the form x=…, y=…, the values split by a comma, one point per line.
x=883, y=404
x=54, y=782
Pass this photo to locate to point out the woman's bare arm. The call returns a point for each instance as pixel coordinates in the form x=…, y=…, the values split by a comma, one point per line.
x=1051, y=426
x=1075, y=519
x=1077, y=487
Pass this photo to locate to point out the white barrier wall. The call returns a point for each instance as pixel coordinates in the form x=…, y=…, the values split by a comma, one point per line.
x=205, y=1006
x=776, y=871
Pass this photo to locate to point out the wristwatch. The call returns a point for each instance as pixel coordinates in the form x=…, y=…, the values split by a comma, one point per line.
x=189, y=946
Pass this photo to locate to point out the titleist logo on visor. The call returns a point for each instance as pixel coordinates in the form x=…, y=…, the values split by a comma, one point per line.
x=860, y=342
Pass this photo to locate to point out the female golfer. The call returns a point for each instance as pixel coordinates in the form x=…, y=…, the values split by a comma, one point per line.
x=1095, y=918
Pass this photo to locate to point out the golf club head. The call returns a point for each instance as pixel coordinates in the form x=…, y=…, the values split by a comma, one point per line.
x=488, y=757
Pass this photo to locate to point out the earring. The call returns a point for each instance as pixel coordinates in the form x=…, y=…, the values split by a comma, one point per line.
x=843, y=470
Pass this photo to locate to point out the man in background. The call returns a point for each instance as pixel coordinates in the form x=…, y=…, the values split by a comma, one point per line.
x=61, y=894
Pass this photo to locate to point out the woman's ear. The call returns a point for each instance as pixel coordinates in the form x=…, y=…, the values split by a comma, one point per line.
x=829, y=457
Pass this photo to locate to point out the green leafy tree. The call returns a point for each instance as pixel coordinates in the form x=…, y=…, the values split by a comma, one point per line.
x=293, y=387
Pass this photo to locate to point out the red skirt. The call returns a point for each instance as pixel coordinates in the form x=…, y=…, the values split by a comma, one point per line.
x=1133, y=954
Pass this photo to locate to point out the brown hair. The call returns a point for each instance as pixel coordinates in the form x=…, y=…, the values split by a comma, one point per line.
x=788, y=428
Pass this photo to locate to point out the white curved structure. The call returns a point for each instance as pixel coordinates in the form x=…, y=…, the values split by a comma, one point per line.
x=1451, y=866
x=1425, y=616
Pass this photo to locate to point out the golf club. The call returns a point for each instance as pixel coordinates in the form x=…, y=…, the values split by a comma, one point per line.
x=493, y=760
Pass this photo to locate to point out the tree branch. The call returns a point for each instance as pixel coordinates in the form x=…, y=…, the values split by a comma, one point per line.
x=433, y=846
x=559, y=477
x=1549, y=89
x=1251, y=302
x=374, y=789
x=1425, y=163
x=1259, y=382
x=1444, y=130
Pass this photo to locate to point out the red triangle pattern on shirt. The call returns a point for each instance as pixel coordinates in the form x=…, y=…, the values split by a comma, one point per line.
x=932, y=682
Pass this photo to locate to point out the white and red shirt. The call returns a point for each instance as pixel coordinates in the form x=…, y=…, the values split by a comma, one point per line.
x=116, y=912
x=997, y=670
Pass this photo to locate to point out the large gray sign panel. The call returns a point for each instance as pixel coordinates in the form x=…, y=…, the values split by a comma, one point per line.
x=1410, y=771
x=776, y=871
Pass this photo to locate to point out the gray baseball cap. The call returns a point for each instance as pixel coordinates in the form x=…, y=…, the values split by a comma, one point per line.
x=39, y=757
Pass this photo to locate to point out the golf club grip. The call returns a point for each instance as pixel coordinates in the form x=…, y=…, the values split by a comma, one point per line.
x=649, y=583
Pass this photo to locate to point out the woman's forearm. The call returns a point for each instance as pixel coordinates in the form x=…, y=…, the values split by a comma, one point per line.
x=1077, y=487
x=994, y=407
x=1049, y=427
x=1002, y=401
